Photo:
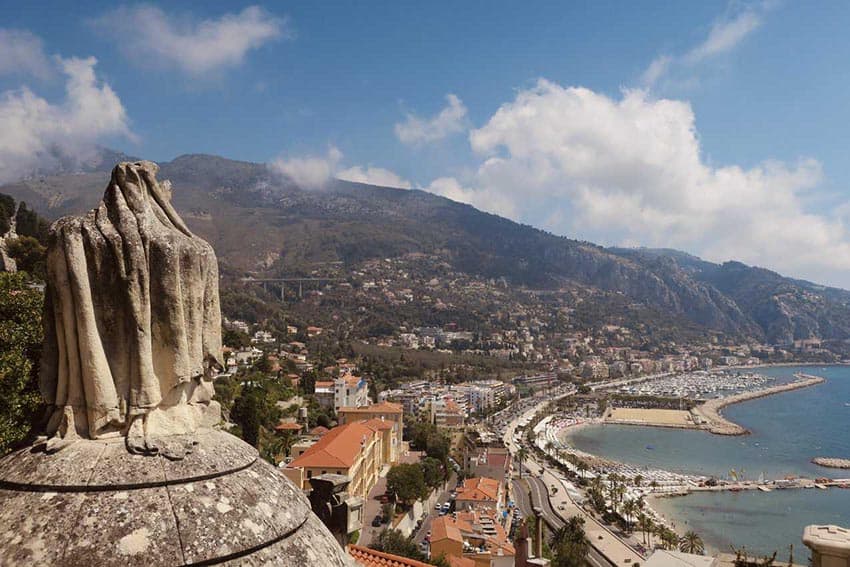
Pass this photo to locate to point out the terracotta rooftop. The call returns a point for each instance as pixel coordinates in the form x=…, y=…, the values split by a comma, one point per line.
x=338, y=448
x=445, y=528
x=479, y=488
x=371, y=558
x=455, y=561
x=319, y=430
x=288, y=426
x=378, y=424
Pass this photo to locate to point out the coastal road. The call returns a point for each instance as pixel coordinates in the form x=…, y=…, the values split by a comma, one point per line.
x=522, y=499
x=608, y=549
x=551, y=517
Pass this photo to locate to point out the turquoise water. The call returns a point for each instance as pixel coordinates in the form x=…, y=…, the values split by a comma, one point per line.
x=788, y=430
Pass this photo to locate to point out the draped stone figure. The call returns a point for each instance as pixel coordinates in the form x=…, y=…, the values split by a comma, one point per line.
x=132, y=319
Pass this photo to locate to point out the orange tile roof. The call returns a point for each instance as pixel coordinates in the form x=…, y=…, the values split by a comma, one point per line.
x=455, y=561
x=445, y=528
x=319, y=430
x=288, y=426
x=378, y=423
x=324, y=383
x=383, y=407
x=338, y=448
x=371, y=558
x=479, y=488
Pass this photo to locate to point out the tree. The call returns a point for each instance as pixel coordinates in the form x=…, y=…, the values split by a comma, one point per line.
x=433, y=471
x=645, y=525
x=396, y=543
x=20, y=349
x=235, y=338
x=29, y=255
x=691, y=543
x=256, y=408
x=569, y=544
x=407, y=482
x=521, y=455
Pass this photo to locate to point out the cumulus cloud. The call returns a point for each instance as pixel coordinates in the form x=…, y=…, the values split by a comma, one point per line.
x=22, y=52
x=309, y=172
x=630, y=170
x=314, y=172
x=450, y=120
x=725, y=34
x=374, y=176
x=149, y=35
x=35, y=134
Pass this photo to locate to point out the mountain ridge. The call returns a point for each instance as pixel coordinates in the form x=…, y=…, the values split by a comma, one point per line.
x=260, y=221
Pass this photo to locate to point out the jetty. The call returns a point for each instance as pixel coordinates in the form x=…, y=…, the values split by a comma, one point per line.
x=719, y=425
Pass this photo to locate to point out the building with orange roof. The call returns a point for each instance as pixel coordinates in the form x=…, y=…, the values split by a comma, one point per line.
x=479, y=492
x=384, y=411
x=474, y=539
x=355, y=450
x=372, y=558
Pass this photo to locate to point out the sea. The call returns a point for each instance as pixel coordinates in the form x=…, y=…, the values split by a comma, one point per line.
x=787, y=431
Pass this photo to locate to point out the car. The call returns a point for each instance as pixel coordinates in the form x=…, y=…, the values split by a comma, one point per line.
x=438, y=506
x=377, y=521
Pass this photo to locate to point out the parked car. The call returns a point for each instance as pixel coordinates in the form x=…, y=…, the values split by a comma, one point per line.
x=376, y=522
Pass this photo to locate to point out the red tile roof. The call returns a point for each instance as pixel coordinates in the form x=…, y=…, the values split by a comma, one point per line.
x=371, y=558
x=338, y=448
x=480, y=488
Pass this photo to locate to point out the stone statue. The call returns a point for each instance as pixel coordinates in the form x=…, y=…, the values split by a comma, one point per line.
x=132, y=339
x=132, y=321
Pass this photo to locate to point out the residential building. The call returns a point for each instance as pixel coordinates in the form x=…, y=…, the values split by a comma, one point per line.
x=350, y=391
x=477, y=538
x=479, y=493
x=354, y=450
x=385, y=411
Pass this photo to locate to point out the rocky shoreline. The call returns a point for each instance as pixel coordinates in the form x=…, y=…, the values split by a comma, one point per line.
x=719, y=425
x=832, y=462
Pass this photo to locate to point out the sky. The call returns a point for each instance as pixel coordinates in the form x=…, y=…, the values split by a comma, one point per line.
x=718, y=128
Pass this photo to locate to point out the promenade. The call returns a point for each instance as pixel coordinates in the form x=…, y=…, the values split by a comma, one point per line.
x=607, y=544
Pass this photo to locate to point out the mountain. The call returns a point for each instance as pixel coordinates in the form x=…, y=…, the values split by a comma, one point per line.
x=258, y=221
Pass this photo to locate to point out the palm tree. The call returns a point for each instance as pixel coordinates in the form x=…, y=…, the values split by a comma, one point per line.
x=645, y=525
x=629, y=510
x=521, y=455
x=691, y=543
x=582, y=468
x=669, y=539
x=638, y=480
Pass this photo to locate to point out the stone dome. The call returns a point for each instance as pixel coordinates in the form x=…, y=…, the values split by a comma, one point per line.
x=94, y=503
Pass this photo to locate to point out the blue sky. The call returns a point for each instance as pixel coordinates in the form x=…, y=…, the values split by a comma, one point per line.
x=715, y=127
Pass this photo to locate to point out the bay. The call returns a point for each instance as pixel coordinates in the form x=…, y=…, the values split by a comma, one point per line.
x=787, y=431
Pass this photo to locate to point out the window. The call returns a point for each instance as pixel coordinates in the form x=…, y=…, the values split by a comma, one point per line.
x=309, y=474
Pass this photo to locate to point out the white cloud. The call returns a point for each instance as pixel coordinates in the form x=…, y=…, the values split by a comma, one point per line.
x=309, y=172
x=450, y=120
x=21, y=52
x=149, y=35
x=725, y=34
x=35, y=134
x=374, y=176
x=630, y=170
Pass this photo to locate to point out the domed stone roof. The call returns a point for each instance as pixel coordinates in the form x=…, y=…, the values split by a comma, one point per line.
x=94, y=503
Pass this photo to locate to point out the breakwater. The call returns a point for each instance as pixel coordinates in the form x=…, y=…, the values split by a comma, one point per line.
x=716, y=423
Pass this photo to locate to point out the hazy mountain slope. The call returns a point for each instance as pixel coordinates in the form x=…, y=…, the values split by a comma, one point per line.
x=256, y=221
x=785, y=308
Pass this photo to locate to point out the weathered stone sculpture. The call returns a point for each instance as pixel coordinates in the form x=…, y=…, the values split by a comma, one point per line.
x=132, y=336
x=132, y=319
